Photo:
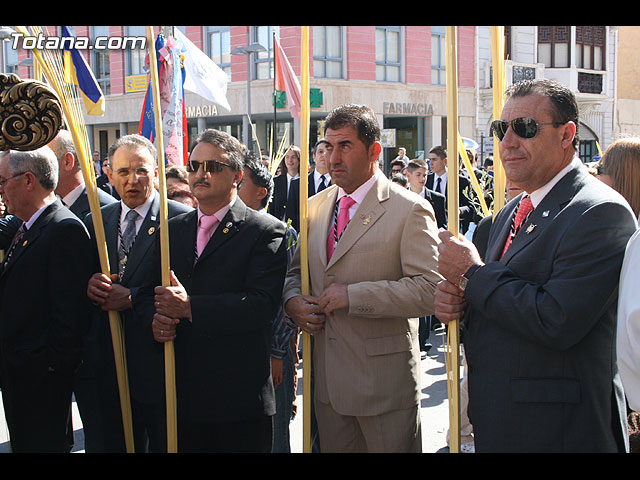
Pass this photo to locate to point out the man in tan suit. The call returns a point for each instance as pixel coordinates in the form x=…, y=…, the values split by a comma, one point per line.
x=368, y=285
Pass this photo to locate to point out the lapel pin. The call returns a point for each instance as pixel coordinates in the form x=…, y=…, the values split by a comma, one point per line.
x=153, y=218
x=229, y=224
x=24, y=244
x=545, y=213
x=366, y=220
x=225, y=230
x=530, y=228
x=151, y=230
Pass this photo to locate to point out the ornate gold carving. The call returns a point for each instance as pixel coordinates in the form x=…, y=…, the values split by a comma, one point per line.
x=30, y=113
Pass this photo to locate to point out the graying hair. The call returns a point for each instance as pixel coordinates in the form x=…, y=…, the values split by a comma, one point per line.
x=62, y=144
x=41, y=162
x=132, y=141
x=231, y=145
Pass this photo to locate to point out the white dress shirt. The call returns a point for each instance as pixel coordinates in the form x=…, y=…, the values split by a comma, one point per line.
x=628, y=334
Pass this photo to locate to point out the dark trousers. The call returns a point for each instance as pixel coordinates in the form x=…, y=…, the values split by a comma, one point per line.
x=247, y=436
x=424, y=330
x=37, y=409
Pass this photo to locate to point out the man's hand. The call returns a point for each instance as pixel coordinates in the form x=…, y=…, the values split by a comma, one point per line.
x=276, y=371
x=304, y=310
x=456, y=256
x=103, y=290
x=164, y=328
x=449, y=302
x=172, y=301
x=334, y=297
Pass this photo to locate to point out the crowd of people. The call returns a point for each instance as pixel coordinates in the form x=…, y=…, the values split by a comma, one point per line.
x=544, y=291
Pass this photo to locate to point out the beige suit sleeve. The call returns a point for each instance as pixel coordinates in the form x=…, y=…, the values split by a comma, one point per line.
x=411, y=295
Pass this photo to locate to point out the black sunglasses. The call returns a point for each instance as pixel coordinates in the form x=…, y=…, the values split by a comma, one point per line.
x=211, y=166
x=525, y=127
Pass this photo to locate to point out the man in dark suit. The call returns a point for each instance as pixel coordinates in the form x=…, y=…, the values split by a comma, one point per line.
x=228, y=264
x=73, y=194
x=133, y=172
x=43, y=304
x=285, y=202
x=318, y=179
x=71, y=188
x=417, y=177
x=437, y=181
x=540, y=321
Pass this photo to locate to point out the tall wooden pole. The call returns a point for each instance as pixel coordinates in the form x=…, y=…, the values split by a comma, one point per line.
x=497, y=53
x=304, y=255
x=453, y=375
x=165, y=264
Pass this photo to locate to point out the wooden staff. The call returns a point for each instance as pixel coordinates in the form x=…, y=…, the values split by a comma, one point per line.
x=453, y=373
x=304, y=264
x=472, y=178
x=497, y=53
x=165, y=265
x=52, y=67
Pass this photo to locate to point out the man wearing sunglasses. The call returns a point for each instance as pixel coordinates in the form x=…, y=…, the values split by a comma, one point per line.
x=228, y=264
x=539, y=313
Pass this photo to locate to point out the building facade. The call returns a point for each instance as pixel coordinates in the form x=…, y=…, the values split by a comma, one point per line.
x=399, y=71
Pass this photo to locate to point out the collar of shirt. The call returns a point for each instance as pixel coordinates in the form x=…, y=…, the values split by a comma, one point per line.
x=70, y=198
x=29, y=223
x=359, y=193
x=443, y=182
x=220, y=214
x=540, y=193
x=289, y=178
x=141, y=209
x=317, y=176
x=443, y=177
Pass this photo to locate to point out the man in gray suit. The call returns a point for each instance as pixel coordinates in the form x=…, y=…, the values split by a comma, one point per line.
x=539, y=315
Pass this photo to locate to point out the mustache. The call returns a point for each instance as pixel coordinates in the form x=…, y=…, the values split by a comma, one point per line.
x=201, y=182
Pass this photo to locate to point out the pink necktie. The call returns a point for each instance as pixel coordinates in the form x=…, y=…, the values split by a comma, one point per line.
x=523, y=211
x=206, y=226
x=346, y=202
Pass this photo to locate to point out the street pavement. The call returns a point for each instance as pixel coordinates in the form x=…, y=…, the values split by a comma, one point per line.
x=434, y=407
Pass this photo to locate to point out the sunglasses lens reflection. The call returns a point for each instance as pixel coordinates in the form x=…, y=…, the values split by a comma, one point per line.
x=524, y=127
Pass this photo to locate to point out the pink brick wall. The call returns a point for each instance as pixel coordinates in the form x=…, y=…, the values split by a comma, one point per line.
x=466, y=55
x=418, y=54
x=361, y=53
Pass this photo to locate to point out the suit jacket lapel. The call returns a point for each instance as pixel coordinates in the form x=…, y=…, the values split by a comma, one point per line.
x=550, y=206
x=367, y=214
x=32, y=234
x=111, y=219
x=318, y=240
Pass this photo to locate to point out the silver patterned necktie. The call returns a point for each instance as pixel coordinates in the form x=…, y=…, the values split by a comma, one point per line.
x=127, y=239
